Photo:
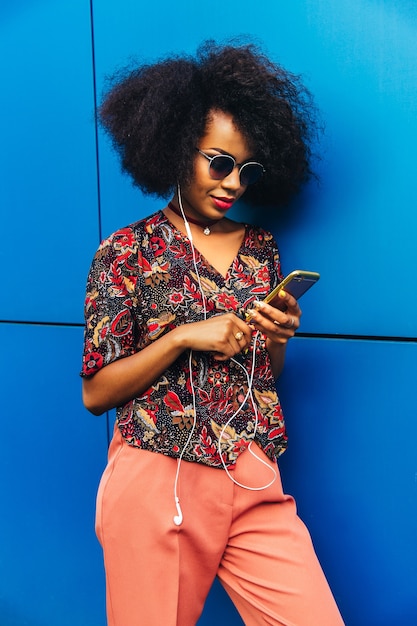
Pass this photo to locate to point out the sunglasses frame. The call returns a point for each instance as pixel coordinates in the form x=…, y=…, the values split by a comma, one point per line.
x=210, y=159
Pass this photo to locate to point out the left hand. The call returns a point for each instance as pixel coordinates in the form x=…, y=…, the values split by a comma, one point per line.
x=277, y=325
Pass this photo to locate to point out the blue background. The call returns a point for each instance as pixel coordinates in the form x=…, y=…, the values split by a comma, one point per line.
x=349, y=385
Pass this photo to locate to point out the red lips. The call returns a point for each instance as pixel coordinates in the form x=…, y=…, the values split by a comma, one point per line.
x=223, y=203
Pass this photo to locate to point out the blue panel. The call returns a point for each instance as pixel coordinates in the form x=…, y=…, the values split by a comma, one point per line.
x=351, y=464
x=219, y=609
x=357, y=227
x=48, y=180
x=52, y=454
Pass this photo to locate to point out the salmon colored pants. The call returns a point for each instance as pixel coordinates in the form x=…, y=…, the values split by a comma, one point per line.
x=159, y=574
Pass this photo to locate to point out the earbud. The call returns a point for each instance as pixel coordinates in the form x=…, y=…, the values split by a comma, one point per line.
x=178, y=518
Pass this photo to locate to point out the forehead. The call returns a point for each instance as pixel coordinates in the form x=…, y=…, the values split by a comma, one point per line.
x=221, y=133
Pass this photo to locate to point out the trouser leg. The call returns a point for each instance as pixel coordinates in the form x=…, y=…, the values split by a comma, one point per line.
x=156, y=572
x=269, y=567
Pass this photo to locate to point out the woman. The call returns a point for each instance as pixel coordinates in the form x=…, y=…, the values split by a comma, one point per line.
x=179, y=341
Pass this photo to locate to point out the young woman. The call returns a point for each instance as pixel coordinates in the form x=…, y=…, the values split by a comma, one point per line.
x=178, y=340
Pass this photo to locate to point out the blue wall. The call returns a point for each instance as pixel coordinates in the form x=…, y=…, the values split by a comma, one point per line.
x=349, y=385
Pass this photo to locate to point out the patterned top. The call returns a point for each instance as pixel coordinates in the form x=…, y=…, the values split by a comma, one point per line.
x=142, y=283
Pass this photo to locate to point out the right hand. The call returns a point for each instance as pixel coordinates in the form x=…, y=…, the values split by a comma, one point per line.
x=223, y=335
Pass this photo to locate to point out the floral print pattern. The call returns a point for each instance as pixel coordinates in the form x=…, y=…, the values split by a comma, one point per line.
x=142, y=284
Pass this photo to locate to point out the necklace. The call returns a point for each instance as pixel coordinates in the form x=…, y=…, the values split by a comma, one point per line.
x=203, y=225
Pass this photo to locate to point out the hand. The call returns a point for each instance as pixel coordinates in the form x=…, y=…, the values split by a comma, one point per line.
x=223, y=335
x=277, y=325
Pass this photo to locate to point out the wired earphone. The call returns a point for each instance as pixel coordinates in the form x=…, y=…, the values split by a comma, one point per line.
x=178, y=519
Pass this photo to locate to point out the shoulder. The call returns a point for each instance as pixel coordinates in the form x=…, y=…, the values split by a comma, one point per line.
x=131, y=235
x=122, y=246
x=259, y=237
x=144, y=225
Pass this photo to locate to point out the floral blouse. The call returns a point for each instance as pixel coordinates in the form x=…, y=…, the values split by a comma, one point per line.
x=142, y=284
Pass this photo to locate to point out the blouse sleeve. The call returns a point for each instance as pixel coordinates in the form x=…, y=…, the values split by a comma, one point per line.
x=112, y=303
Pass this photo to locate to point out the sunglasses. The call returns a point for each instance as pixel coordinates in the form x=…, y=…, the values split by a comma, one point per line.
x=221, y=165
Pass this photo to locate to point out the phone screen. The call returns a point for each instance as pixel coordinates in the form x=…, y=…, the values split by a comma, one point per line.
x=296, y=283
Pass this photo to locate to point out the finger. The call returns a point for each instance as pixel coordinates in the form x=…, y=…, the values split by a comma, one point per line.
x=263, y=311
x=234, y=338
x=291, y=304
x=243, y=336
x=291, y=322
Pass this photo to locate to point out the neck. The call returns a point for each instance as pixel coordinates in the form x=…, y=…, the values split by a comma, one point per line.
x=206, y=225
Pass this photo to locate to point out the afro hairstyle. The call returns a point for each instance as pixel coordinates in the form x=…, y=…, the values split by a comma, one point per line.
x=156, y=114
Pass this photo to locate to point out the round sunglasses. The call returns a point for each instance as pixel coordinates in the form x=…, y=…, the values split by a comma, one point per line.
x=221, y=165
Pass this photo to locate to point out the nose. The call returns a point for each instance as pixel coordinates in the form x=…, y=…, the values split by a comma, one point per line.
x=232, y=181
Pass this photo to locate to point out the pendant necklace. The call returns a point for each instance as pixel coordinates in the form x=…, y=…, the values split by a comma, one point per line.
x=203, y=225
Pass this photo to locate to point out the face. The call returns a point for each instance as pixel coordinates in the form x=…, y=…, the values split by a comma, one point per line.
x=205, y=198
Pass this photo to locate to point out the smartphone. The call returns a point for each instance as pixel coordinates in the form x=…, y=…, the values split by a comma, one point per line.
x=296, y=283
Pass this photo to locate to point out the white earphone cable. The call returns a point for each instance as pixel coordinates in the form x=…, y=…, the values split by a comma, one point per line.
x=255, y=408
x=178, y=519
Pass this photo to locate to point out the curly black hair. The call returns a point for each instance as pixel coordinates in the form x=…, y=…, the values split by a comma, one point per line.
x=156, y=114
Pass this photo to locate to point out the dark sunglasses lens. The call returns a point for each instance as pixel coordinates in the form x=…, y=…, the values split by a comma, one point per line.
x=221, y=166
x=251, y=173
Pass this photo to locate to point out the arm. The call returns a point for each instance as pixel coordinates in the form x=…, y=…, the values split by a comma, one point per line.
x=129, y=377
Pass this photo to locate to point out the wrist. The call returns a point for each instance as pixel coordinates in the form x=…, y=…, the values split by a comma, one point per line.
x=178, y=337
x=276, y=346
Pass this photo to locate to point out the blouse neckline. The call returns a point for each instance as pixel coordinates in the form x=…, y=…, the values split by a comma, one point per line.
x=205, y=261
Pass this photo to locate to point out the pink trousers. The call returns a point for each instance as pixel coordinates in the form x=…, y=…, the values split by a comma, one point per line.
x=159, y=574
